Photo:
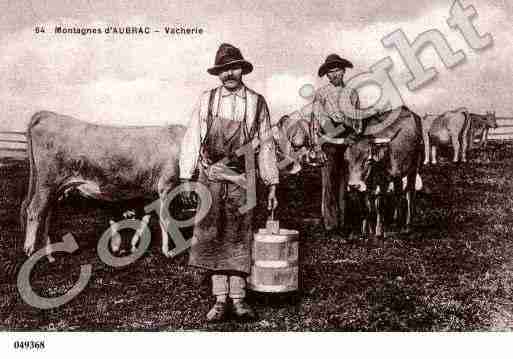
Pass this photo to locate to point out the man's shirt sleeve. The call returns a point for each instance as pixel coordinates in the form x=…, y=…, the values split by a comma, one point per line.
x=191, y=144
x=355, y=101
x=267, y=161
x=317, y=118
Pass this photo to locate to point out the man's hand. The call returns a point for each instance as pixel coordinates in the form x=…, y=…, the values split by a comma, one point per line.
x=187, y=197
x=272, y=201
x=317, y=157
x=358, y=127
x=219, y=172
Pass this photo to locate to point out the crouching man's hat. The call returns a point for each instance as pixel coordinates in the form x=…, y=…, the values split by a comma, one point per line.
x=228, y=56
x=333, y=61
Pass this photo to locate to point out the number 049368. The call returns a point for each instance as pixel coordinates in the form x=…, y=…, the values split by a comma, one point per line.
x=29, y=345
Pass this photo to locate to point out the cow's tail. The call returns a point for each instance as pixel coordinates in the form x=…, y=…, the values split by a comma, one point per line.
x=32, y=168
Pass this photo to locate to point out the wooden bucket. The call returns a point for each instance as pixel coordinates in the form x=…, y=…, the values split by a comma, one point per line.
x=274, y=257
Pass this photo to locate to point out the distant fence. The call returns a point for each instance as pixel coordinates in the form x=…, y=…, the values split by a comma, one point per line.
x=504, y=132
x=13, y=144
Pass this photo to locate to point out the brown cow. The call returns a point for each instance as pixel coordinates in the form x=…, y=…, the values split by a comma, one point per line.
x=389, y=160
x=101, y=162
x=349, y=159
x=455, y=127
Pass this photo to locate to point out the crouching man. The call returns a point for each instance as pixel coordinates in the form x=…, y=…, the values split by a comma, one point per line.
x=227, y=118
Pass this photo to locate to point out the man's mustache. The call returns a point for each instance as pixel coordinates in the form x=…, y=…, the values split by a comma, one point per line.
x=230, y=78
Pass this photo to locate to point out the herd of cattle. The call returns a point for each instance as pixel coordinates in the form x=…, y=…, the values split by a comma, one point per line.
x=67, y=155
x=458, y=127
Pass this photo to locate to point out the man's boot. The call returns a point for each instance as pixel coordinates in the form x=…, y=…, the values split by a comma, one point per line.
x=241, y=309
x=219, y=311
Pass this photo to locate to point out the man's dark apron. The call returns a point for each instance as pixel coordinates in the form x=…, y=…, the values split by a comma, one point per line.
x=224, y=235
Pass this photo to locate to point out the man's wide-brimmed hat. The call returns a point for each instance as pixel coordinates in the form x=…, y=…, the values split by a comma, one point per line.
x=333, y=61
x=228, y=56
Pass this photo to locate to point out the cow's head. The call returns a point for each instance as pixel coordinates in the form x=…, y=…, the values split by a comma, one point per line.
x=365, y=161
x=295, y=143
x=490, y=120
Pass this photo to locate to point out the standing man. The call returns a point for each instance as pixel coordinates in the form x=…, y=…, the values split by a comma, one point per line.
x=335, y=115
x=227, y=118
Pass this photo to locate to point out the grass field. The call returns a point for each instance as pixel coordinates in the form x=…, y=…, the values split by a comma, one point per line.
x=454, y=273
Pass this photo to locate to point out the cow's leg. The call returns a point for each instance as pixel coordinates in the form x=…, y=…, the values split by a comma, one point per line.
x=410, y=202
x=484, y=138
x=425, y=136
x=135, y=242
x=456, y=147
x=366, y=218
x=380, y=231
x=466, y=139
x=356, y=214
x=36, y=212
x=165, y=221
x=165, y=185
x=24, y=208
x=365, y=228
x=115, y=239
x=397, y=201
x=392, y=216
x=137, y=236
x=433, y=154
x=30, y=192
x=477, y=139
x=49, y=256
x=410, y=198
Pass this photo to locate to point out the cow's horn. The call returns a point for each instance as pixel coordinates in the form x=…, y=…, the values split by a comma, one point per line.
x=380, y=141
x=332, y=140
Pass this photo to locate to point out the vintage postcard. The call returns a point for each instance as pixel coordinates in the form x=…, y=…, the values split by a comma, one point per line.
x=255, y=166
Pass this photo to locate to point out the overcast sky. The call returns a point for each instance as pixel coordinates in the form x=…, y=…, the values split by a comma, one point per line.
x=157, y=78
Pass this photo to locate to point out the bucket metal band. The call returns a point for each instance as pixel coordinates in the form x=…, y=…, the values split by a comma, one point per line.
x=272, y=288
x=275, y=264
x=275, y=238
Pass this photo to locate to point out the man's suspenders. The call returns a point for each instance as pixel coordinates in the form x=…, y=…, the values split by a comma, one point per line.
x=210, y=116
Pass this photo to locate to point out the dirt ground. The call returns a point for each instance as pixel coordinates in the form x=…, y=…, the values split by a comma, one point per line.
x=454, y=273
